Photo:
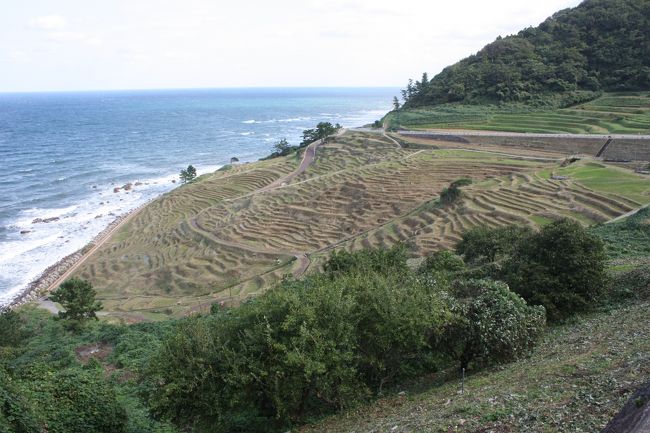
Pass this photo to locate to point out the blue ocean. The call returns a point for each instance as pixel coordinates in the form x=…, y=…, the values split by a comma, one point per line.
x=62, y=155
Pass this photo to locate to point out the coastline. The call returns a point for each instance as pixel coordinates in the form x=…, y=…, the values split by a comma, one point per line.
x=59, y=271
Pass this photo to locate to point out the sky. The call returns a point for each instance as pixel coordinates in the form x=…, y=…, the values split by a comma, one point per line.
x=69, y=45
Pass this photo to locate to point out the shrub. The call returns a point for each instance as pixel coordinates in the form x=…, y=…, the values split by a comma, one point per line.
x=492, y=324
x=442, y=261
x=301, y=350
x=12, y=329
x=562, y=268
x=484, y=244
x=16, y=412
x=450, y=195
x=68, y=400
x=384, y=261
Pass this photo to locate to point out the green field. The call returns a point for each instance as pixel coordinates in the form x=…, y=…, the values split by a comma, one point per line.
x=615, y=113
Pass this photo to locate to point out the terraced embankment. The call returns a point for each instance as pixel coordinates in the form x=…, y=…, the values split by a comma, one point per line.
x=235, y=233
x=612, y=113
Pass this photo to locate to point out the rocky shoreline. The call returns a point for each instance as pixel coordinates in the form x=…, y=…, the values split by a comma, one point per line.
x=39, y=286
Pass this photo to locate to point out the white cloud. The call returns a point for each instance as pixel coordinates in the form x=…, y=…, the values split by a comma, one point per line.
x=49, y=22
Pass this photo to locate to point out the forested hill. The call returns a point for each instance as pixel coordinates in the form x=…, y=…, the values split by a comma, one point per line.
x=600, y=45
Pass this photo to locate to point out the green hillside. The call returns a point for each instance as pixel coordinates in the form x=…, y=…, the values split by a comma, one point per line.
x=601, y=45
x=612, y=113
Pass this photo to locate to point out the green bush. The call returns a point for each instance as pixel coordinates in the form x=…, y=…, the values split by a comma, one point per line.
x=484, y=244
x=442, y=261
x=384, y=261
x=302, y=350
x=492, y=324
x=562, y=268
x=61, y=401
x=16, y=412
x=12, y=329
x=449, y=195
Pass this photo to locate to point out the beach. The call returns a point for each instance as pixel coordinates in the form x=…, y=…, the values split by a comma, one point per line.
x=55, y=274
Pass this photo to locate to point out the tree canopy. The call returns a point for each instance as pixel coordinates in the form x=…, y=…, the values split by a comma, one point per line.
x=600, y=45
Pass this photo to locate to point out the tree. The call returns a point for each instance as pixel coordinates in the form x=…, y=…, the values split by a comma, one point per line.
x=77, y=297
x=492, y=324
x=395, y=103
x=452, y=193
x=562, y=268
x=308, y=136
x=325, y=129
x=308, y=348
x=321, y=132
x=188, y=174
x=485, y=244
x=282, y=147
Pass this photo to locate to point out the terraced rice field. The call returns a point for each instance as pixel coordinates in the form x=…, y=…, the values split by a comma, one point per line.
x=223, y=239
x=622, y=113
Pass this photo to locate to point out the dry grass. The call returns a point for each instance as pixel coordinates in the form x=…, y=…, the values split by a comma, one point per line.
x=219, y=240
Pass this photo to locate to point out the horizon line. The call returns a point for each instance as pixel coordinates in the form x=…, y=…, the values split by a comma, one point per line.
x=156, y=89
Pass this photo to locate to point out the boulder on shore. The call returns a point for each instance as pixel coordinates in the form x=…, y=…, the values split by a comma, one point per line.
x=45, y=220
x=117, y=189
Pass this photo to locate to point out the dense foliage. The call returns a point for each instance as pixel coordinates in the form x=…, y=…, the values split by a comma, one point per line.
x=561, y=267
x=493, y=324
x=569, y=58
x=484, y=244
x=303, y=349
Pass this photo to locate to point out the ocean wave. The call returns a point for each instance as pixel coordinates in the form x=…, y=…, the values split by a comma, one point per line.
x=250, y=121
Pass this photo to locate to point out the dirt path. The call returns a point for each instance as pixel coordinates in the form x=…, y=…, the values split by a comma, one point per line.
x=307, y=160
x=628, y=214
x=301, y=257
x=399, y=146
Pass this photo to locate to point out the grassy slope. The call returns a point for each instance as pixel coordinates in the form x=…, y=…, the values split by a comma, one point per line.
x=611, y=113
